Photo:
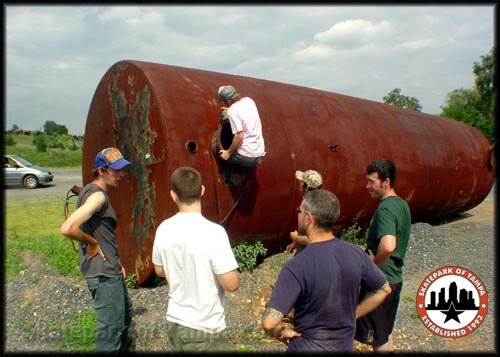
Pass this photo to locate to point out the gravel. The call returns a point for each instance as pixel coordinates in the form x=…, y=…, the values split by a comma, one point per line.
x=40, y=302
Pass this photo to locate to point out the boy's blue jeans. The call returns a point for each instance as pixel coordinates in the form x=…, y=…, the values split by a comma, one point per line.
x=113, y=312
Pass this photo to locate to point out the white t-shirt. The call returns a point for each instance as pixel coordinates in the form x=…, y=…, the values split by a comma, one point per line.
x=243, y=116
x=192, y=250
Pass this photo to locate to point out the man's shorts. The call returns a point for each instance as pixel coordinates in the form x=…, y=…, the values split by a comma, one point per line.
x=374, y=329
x=185, y=339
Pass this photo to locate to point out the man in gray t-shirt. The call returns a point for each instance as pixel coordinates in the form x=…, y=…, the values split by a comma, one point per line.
x=93, y=225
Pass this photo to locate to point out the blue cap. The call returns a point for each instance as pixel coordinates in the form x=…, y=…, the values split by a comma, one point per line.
x=110, y=157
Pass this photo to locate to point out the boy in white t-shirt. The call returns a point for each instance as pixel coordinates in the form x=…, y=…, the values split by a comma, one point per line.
x=247, y=148
x=195, y=257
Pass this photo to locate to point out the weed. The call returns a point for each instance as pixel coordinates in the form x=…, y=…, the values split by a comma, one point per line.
x=131, y=281
x=246, y=255
x=355, y=235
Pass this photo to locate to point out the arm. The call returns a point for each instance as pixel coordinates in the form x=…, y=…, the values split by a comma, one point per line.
x=160, y=271
x=272, y=323
x=71, y=227
x=290, y=248
x=372, y=300
x=235, y=144
x=229, y=281
x=300, y=239
x=385, y=248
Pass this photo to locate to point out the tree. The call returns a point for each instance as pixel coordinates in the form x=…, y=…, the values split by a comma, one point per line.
x=40, y=142
x=485, y=83
x=15, y=128
x=395, y=97
x=52, y=128
x=462, y=105
x=476, y=106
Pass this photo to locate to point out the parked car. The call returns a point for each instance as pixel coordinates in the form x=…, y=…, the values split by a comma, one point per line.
x=19, y=171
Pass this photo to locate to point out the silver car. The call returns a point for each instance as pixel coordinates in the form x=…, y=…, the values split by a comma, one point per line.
x=19, y=171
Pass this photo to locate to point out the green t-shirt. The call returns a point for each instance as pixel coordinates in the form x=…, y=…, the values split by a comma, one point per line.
x=391, y=218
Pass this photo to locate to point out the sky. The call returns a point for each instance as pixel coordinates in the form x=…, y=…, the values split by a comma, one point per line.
x=55, y=56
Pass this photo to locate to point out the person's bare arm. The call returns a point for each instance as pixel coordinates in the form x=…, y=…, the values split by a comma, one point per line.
x=229, y=281
x=71, y=226
x=160, y=271
x=298, y=238
x=386, y=247
x=372, y=300
x=272, y=323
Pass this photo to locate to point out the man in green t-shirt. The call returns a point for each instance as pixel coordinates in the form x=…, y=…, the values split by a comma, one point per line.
x=388, y=238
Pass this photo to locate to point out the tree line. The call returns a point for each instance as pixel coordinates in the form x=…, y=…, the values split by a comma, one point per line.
x=474, y=106
x=53, y=136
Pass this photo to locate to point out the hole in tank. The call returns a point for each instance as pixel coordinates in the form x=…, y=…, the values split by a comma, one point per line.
x=192, y=147
x=226, y=136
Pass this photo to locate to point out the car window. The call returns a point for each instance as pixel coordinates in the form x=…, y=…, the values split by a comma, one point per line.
x=22, y=161
x=8, y=162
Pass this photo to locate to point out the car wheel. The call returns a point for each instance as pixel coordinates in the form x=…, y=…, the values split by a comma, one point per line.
x=30, y=181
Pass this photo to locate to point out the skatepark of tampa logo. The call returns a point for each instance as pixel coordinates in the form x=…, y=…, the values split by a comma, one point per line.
x=452, y=302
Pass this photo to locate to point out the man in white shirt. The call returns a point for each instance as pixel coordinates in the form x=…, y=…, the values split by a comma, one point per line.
x=195, y=257
x=247, y=148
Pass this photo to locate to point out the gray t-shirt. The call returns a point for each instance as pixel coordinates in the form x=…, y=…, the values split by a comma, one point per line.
x=100, y=226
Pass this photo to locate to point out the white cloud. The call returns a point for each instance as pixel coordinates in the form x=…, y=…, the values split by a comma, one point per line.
x=354, y=32
x=313, y=53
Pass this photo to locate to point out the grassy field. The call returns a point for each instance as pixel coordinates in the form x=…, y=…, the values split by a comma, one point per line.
x=51, y=158
x=34, y=225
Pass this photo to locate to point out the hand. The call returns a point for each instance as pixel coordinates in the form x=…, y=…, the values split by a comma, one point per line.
x=294, y=235
x=123, y=273
x=224, y=154
x=287, y=334
x=370, y=253
x=93, y=250
x=290, y=248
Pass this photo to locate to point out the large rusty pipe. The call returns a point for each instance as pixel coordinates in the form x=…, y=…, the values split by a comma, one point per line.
x=163, y=117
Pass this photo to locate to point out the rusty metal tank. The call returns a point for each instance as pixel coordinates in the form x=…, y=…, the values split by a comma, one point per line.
x=162, y=117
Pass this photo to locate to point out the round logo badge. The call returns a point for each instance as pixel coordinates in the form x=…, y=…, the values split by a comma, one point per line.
x=452, y=302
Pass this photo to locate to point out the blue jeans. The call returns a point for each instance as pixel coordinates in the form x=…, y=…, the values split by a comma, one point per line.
x=113, y=312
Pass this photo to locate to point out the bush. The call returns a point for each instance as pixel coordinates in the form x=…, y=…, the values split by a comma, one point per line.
x=9, y=140
x=40, y=142
x=246, y=255
x=355, y=235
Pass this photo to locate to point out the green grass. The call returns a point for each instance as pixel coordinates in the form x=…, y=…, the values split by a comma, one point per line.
x=34, y=225
x=80, y=335
x=51, y=158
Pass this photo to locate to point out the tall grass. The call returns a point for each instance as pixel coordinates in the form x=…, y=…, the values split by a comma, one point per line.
x=51, y=158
